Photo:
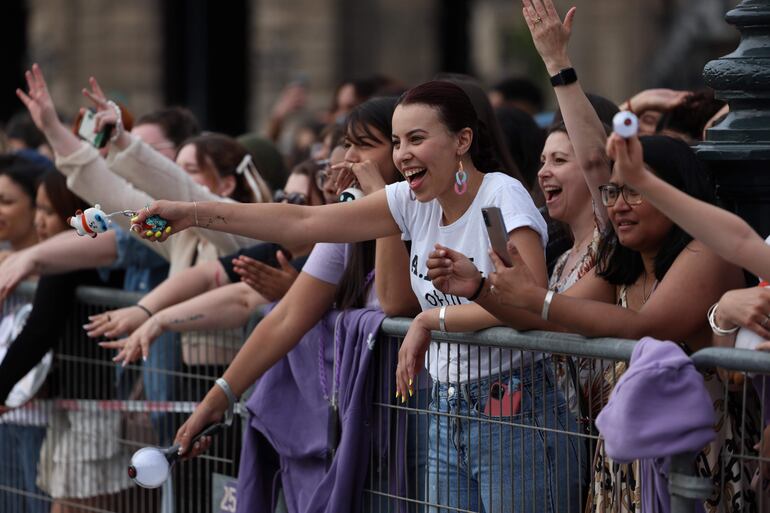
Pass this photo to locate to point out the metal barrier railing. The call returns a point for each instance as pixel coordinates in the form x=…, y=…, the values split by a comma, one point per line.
x=537, y=450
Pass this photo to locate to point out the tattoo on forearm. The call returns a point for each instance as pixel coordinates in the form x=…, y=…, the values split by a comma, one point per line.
x=213, y=220
x=183, y=320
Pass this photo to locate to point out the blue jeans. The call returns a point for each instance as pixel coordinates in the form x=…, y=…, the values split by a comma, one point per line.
x=19, y=455
x=500, y=464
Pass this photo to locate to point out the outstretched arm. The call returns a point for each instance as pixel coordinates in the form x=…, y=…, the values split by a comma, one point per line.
x=584, y=128
x=61, y=253
x=723, y=232
x=177, y=288
x=289, y=225
x=273, y=337
x=224, y=308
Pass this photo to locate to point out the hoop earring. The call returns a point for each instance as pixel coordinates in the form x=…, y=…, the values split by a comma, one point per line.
x=461, y=180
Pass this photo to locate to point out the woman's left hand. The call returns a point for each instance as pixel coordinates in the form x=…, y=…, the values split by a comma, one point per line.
x=549, y=34
x=411, y=357
x=366, y=173
x=513, y=286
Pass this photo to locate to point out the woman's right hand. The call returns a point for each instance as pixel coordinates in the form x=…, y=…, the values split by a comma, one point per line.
x=452, y=272
x=115, y=323
x=629, y=159
x=179, y=214
x=38, y=100
x=549, y=34
x=211, y=410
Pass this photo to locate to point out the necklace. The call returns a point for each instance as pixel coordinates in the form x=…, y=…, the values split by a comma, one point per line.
x=646, y=296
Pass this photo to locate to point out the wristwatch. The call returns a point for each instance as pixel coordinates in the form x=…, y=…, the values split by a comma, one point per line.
x=566, y=76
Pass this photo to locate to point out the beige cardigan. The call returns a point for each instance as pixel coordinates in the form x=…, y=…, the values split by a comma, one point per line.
x=90, y=177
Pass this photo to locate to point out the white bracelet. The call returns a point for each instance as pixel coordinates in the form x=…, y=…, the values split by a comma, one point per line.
x=547, y=304
x=442, y=319
x=231, y=399
x=118, y=130
x=720, y=332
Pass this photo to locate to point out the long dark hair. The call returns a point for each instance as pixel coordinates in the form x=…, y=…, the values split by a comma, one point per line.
x=367, y=119
x=456, y=112
x=673, y=161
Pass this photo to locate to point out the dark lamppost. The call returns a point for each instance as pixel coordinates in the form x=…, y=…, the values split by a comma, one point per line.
x=737, y=150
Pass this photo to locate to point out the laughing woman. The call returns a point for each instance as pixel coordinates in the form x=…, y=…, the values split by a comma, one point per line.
x=441, y=149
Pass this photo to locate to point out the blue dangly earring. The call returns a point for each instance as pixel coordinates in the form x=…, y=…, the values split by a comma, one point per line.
x=461, y=180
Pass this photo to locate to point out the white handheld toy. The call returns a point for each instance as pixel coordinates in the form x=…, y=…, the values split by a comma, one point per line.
x=90, y=222
x=151, y=466
x=351, y=194
x=625, y=124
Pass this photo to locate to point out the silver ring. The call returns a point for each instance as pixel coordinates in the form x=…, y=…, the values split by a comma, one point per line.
x=538, y=20
x=764, y=322
x=492, y=290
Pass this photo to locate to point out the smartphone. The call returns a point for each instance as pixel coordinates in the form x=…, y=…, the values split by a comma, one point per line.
x=84, y=128
x=501, y=401
x=498, y=235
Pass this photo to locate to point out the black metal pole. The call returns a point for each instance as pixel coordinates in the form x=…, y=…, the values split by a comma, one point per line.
x=737, y=151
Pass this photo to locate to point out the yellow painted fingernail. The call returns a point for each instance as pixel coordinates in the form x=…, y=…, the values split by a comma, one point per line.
x=410, y=381
x=397, y=394
x=168, y=229
x=157, y=235
x=411, y=393
x=403, y=399
x=134, y=219
x=148, y=233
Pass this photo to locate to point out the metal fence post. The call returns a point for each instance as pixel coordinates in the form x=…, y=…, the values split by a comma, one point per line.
x=684, y=486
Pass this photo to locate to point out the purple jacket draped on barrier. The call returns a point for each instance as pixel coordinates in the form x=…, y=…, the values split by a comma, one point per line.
x=660, y=407
x=289, y=412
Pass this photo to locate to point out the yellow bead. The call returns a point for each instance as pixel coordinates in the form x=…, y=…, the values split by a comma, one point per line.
x=157, y=235
x=168, y=229
x=148, y=233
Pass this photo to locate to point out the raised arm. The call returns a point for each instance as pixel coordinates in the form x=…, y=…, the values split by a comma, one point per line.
x=584, y=128
x=61, y=253
x=223, y=308
x=289, y=225
x=723, y=232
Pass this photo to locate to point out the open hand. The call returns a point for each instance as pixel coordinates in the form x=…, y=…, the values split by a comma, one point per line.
x=38, y=100
x=452, y=272
x=268, y=281
x=137, y=344
x=411, y=357
x=115, y=323
x=549, y=34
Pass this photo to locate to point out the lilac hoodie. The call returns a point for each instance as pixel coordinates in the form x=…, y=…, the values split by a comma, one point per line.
x=289, y=413
x=660, y=407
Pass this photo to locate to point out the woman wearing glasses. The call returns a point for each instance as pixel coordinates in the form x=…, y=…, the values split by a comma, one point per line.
x=651, y=279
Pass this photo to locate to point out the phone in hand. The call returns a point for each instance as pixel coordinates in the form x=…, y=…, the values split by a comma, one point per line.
x=498, y=235
x=502, y=402
x=84, y=128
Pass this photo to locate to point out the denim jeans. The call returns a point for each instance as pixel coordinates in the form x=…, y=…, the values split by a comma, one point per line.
x=19, y=456
x=496, y=464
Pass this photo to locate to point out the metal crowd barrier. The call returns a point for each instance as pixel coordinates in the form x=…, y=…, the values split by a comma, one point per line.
x=533, y=447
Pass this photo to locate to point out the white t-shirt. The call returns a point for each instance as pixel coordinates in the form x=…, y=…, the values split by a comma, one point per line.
x=421, y=223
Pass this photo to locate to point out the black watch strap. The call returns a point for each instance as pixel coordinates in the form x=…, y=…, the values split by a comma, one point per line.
x=564, y=77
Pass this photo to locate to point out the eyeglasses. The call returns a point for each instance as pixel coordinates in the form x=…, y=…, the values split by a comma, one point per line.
x=611, y=193
x=295, y=198
x=321, y=176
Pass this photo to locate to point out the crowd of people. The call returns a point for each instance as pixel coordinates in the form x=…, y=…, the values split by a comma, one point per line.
x=607, y=237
